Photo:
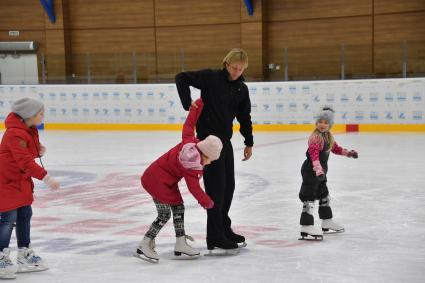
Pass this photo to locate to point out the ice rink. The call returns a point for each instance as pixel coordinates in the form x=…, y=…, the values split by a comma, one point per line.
x=88, y=231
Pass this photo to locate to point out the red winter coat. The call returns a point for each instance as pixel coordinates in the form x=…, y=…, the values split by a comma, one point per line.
x=161, y=177
x=18, y=148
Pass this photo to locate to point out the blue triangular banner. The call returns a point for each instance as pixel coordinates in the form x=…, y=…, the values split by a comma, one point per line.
x=50, y=9
x=249, y=7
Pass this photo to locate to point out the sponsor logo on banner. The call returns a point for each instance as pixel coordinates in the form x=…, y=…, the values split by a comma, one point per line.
x=105, y=112
x=292, y=89
x=279, y=90
x=64, y=111
x=105, y=95
x=52, y=95
x=41, y=95
x=139, y=111
x=139, y=95
x=254, y=107
x=171, y=103
x=161, y=95
x=373, y=97
x=359, y=98
x=344, y=98
x=96, y=111
x=116, y=96
x=253, y=90
x=85, y=96
x=172, y=119
x=74, y=111
x=306, y=107
x=417, y=115
x=63, y=96
x=127, y=95
x=162, y=111
x=330, y=97
x=374, y=116
x=96, y=96
x=74, y=96
x=306, y=89
x=266, y=108
x=266, y=90
x=150, y=95
x=127, y=112
x=401, y=97
x=417, y=97
x=52, y=111
x=389, y=116
x=86, y=111
x=116, y=111
x=151, y=111
x=402, y=115
x=279, y=107
x=292, y=107
x=344, y=116
x=359, y=115
x=1, y=103
x=389, y=97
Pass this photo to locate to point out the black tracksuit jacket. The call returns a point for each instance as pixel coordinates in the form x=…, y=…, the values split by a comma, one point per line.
x=224, y=100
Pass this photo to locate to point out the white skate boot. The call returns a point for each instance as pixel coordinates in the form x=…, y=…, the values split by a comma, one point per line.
x=28, y=261
x=311, y=232
x=182, y=247
x=7, y=268
x=329, y=226
x=146, y=250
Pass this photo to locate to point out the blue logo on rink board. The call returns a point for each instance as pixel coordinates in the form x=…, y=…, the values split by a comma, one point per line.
x=172, y=119
x=254, y=107
x=96, y=111
x=74, y=111
x=292, y=89
x=52, y=95
x=266, y=108
x=96, y=95
x=401, y=97
x=86, y=111
x=417, y=97
x=74, y=96
x=359, y=116
x=162, y=111
x=85, y=96
x=139, y=111
x=105, y=112
x=52, y=111
x=344, y=98
x=373, y=97
x=150, y=94
x=151, y=111
x=306, y=106
x=63, y=96
x=117, y=111
x=105, y=95
x=279, y=90
x=127, y=111
x=171, y=103
x=417, y=115
x=266, y=90
x=306, y=89
x=330, y=97
x=359, y=98
x=292, y=107
x=127, y=95
x=402, y=116
x=344, y=115
x=116, y=95
x=374, y=116
x=139, y=95
x=63, y=111
x=316, y=98
x=389, y=116
x=161, y=95
x=389, y=97
x=253, y=90
x=279, y=107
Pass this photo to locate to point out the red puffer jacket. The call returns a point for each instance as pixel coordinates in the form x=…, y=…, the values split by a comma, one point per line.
x=18, y=148
x=161, y=177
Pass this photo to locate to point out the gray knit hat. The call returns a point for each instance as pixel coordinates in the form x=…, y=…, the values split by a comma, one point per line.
x=327, y=114
x=27, y=107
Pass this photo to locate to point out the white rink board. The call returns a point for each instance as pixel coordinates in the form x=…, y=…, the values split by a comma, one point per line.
x=383, y=101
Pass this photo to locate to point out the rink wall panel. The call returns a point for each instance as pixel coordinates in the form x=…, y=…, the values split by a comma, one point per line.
x=360, y=105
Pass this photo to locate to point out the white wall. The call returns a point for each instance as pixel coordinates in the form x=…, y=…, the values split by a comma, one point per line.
x=17, y=69
x=384, y=101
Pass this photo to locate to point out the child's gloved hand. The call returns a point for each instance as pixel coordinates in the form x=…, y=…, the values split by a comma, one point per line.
x=209, y=205
x=353, y=154
x=51, y=182
x=42, y=150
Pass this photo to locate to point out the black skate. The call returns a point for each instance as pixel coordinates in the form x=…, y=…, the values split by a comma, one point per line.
x=236, y=238
x=222, y=247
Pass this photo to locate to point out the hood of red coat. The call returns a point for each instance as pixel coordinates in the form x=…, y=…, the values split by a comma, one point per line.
x=14, y=121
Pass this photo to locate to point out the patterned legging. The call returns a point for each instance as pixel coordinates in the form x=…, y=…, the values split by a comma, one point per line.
x=164, y=214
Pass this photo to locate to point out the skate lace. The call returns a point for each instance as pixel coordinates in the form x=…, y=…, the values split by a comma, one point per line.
x=190, y=238
x=5, y=261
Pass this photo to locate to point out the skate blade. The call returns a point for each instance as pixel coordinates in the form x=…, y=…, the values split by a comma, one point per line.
x=308, y=237
x=221, y=252
x=242, y=245
x=330, y=231
x=27, y=269
x=145, y=258
x=8, y=275
x=183, y=256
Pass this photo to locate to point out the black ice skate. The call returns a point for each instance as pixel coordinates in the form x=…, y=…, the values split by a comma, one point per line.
x=236, y=238
x=311, y=233
x=222, y=247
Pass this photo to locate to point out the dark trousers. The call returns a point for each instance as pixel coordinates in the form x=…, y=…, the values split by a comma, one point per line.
x=219, y=180
x=22, y=217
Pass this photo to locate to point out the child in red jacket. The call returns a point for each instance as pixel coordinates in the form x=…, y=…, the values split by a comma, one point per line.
x=185, y=160
x=18, y=149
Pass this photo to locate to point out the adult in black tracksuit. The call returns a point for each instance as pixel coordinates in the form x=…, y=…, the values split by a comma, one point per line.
x=225, y=97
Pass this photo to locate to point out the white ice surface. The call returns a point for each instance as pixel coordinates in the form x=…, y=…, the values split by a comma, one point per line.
x=88, y=231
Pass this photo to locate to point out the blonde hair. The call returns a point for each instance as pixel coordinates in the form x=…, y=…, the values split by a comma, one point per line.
x=321, y=138
x=236, y=55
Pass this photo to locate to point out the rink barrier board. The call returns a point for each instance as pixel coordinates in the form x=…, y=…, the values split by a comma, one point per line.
x=256, y=127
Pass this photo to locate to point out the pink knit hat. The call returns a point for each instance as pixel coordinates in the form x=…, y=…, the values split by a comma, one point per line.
x=211, y=146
